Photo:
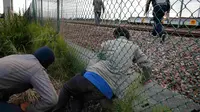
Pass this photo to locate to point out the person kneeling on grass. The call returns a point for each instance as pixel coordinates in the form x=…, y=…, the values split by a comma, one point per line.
x=108, y=76
x=19, y=73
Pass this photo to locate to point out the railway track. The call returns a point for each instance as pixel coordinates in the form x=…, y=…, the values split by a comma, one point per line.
x=183, y=32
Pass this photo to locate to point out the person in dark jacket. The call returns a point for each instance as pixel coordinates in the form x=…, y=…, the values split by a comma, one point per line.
x=19, y=73
x=160, y=8
x=106, y=76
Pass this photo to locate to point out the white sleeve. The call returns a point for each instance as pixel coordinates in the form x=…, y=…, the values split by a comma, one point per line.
x=48, y=96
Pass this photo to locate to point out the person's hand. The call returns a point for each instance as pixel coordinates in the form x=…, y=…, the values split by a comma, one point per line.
x=24, y=106
x=167, y=15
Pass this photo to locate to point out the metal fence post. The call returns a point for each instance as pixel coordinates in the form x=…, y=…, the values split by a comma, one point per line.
x=180, y=13
x=199, y=11
x=76, y=8
x=25, y=6
x=58, y=16
x=36, y=11
x=7, y=6
x=41, y=18
x=61, y=9
x=120, y=14
x=34, y=14
x=48, y=10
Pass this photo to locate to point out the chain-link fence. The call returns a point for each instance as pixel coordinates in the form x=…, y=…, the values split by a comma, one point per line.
x=45, y=11
x=174, y=52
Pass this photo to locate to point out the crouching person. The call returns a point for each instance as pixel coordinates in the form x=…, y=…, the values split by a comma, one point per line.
x=19, y=73
x=106, y=77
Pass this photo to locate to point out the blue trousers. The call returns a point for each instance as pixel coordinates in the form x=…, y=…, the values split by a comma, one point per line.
x=158, y=13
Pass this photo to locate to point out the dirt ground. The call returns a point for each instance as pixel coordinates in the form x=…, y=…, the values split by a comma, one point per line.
x=175, y=63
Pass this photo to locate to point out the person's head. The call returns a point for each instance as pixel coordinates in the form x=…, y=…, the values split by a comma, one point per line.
x=121, y=31
x=45, y=56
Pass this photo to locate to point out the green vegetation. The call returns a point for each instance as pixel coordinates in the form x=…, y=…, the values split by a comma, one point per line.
x=131, y=96
x=161, y=108
x=14, y=36
x=18, y=36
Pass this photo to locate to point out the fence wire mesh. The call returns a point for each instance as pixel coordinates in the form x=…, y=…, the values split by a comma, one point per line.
x=174, y=84
x=45, y=11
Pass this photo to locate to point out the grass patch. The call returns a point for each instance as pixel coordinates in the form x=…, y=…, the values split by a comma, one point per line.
x=67, y=63
x=131, y=96
x=14, y=35
x=18, y=36
x=161, y=108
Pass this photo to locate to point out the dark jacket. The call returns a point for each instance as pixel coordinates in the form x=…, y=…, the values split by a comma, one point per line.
x=98, y=5
x=157, y=4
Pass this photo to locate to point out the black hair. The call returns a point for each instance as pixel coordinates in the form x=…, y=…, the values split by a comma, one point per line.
x=121, y=31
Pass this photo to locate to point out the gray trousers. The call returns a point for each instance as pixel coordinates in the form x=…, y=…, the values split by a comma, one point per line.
x=97, y=16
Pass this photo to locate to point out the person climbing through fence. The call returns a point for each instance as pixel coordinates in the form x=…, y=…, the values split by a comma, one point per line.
x=19, y=73
x=98, y=7
x=105, y=77
x=160, y=8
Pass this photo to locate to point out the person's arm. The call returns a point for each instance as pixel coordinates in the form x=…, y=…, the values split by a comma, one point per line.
x=48, y=96
x=104, y=48
x=143, y=62
x=147, y=6
x=93, y=2
x=168, y=6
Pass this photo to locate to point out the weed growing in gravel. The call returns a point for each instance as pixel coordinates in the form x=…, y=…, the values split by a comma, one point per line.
x=161, y=108
x=131, y=96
